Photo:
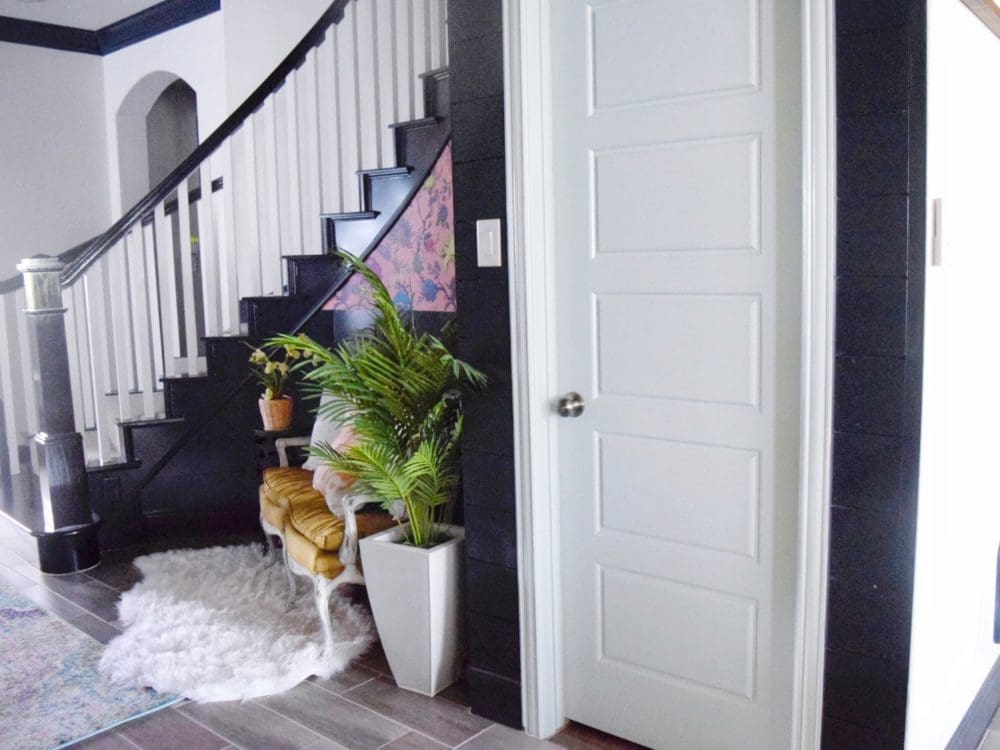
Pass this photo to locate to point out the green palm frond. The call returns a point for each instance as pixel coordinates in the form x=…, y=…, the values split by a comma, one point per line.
x=401, y=394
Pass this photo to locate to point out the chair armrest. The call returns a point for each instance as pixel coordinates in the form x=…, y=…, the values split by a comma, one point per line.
x=347, y=506
x=283, y=444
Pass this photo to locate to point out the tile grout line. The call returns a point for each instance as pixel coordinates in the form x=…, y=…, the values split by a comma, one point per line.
x=221, y=736
x=194, y=720
x=411, y=729
x=334, y=692
x=127, y=740
x=465, y=742
x=371, y=710
x=289, y=718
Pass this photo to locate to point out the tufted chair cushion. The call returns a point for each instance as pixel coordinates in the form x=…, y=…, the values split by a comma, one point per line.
x=312, y=533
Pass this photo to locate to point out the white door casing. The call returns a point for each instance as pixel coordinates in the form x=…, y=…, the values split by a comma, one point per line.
x=668, y=196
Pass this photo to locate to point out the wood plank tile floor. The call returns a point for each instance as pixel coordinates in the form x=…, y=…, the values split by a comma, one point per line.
x=360, y=709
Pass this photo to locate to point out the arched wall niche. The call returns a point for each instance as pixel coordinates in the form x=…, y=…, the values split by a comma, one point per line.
x=157, y=126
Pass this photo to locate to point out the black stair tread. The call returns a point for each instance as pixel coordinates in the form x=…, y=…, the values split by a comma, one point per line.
x=314, y=258
x=351, y=216
x=227, y=337
x=436, y=73
x=186, y=378
x=118, y=464
x=266, y=298
x=149, y=421
x=423, y=122
x=384, y=171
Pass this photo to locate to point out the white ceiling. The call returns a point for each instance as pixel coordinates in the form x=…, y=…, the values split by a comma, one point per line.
x=83, y=14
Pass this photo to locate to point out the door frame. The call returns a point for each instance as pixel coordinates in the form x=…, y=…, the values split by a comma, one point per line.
x=530, y=260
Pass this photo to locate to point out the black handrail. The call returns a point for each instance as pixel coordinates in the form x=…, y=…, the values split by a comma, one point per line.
x=333, y=15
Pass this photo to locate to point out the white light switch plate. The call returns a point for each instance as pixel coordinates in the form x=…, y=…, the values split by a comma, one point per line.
x=488, y=243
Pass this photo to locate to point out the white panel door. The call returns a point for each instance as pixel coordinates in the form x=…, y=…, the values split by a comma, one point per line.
x=677, y=200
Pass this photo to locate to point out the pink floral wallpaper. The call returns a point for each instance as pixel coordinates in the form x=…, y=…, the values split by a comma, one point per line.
x=416, y=259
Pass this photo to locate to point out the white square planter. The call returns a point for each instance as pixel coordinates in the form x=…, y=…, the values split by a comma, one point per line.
x=418, y=600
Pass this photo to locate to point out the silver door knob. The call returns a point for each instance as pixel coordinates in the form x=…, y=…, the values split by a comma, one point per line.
x=571, y=405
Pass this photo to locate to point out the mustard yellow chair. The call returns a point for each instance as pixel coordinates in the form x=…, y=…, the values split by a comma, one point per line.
x=319, y=534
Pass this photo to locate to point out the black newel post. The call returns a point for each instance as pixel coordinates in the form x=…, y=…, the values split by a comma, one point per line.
x=68, y=541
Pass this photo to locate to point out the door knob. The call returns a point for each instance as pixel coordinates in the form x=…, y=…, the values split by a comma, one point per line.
x=571, y=405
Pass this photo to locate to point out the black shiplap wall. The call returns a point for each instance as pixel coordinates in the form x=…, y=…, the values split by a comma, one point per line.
x=475, y=48
x=881, y=99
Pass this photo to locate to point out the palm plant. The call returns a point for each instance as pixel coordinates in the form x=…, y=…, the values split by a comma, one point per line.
x=401, y=394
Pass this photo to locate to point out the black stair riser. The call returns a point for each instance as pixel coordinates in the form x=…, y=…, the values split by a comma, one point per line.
x=383, y=192
x=409, y=139
x=227, y=357
x=437, y=92
x=311, y=274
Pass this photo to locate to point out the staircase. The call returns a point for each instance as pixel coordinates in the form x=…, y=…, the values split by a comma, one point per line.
x=327, y=153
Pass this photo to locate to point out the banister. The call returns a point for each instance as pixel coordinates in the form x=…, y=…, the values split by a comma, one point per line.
x=346, y=275
x=75, y=267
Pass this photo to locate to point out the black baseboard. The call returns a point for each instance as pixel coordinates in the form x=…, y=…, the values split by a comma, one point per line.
x=977, y=719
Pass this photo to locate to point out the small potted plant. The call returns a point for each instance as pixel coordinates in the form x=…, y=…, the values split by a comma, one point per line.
x=400, y=392
x=275, y=405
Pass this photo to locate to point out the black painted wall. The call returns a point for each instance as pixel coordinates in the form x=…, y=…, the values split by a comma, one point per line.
x=475, y=47
x=881, y=101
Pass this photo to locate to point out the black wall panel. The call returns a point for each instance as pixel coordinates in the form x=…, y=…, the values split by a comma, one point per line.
x=881, y=99
x=475, y=47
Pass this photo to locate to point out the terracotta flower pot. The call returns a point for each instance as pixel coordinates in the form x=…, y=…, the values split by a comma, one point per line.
x=276, y=413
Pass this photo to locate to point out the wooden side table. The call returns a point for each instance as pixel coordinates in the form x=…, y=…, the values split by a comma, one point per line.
x=265, y=452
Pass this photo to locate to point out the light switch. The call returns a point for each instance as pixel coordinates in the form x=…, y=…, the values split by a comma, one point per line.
x=488, y=243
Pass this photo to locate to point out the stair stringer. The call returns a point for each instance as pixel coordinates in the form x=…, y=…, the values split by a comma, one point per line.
x=193, y=472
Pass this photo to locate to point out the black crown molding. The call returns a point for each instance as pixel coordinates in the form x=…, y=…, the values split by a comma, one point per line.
x=143, y=25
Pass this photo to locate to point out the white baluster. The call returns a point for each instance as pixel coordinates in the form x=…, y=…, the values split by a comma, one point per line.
x=349, y=123
x=228, y=258
x=121, y=345
x=153, y=297
x=327, y=85
x=247, y=237
x=145, y=366
x=187, y=280
x=385, y=47
x=24, y=363
x=73, y=356
x=366, y=63
x=439, y=39
x=421, y=47
x=273, y=266
x=97, y=336
x=166, y=263
x=309, y=155
x=83, y=348
x=288, y=95
x=405, y=103
x=209, y=253
x=8, y=380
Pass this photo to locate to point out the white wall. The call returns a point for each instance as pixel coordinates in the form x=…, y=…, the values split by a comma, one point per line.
x=259, y=33
x=60, y=180
x=194, y=52
x=53, y=154
x=958, y=521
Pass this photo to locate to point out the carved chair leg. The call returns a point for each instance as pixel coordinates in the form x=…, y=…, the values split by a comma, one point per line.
x=271, y=554
x=322, y=588
x=290, y=577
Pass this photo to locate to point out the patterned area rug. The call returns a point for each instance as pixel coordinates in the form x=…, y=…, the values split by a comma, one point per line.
x=50, y=690
x=213, y=625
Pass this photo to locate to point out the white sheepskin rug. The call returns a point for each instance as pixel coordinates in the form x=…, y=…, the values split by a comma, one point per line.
x=211, y=625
